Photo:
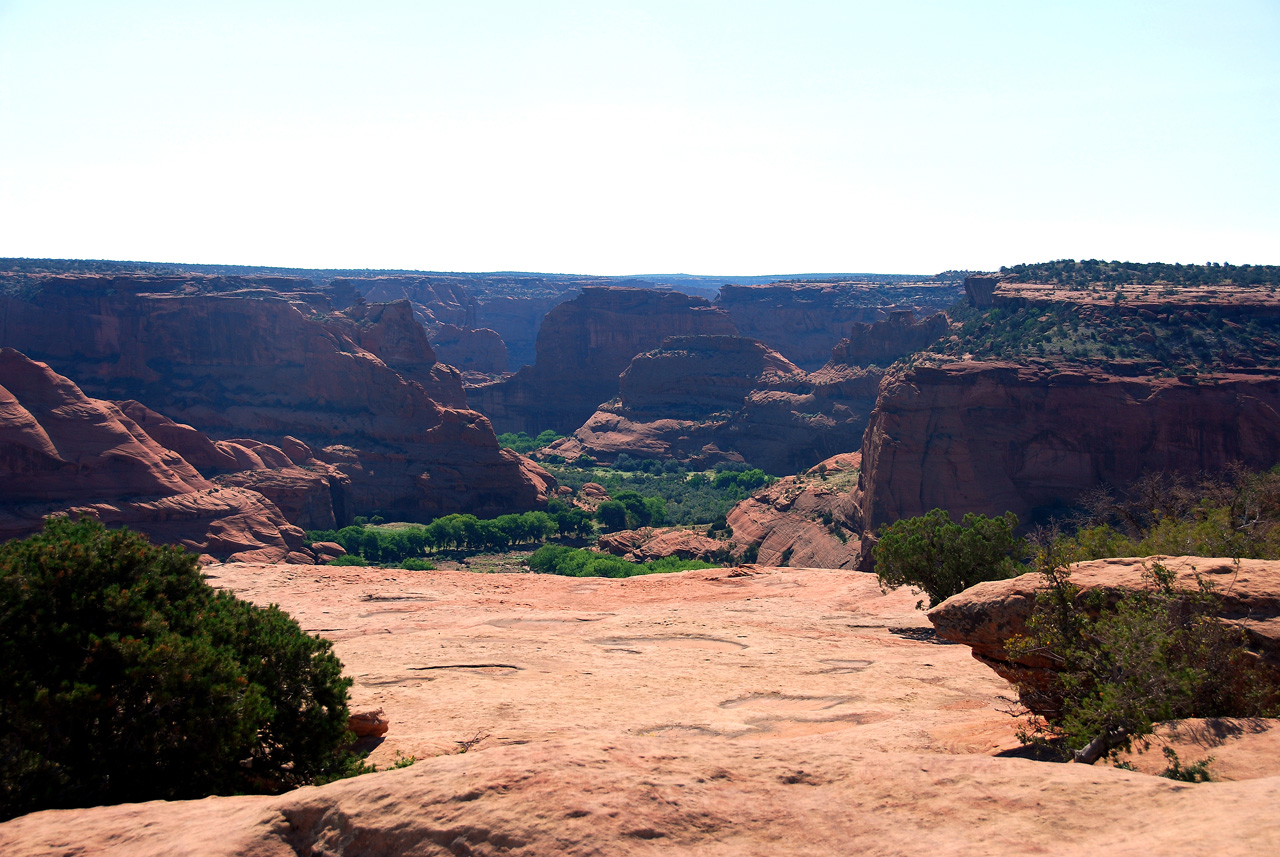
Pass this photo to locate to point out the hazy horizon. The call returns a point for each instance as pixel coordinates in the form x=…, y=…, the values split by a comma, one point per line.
x=719, y=139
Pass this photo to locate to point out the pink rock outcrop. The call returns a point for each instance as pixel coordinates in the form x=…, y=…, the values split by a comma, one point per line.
x=753, y=711
x=804, y=521
x=984, y=617
x=62, y=452
x=650, y=543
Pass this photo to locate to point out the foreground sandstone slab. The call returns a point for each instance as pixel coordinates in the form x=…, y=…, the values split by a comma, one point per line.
x=765, y=711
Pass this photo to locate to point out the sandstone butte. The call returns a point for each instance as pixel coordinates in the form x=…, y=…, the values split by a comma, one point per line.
x=748, y=711
x=989, y=436
x=707, y=399
x=64, y=453
x=360, y=387
x=583, y=345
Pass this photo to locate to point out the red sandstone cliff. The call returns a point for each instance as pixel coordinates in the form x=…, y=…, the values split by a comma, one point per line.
x=62, y=452
x=804, y=321
x=236, y=367
x=1031, y=433
x=708, y=399
x=990, y=438
x=583, y=346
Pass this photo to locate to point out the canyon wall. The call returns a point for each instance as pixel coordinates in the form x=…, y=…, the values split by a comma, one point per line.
x=1047, y=393
x=62, y=453
x=270, y=368
x=583, y=346
x=804, y=321
x=990, y=438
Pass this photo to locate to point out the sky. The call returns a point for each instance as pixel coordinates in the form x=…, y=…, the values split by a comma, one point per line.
x=731, y=138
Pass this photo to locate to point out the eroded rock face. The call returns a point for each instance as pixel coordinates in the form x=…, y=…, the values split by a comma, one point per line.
x=583, y=346
x=270, y=368
x=705, y=400
x=804, y=521
x=693, y=376
x=650, y=543
x=62, y=452
x=885, y=341
x=804, y=321
x=993, y=437
x=984, y=617
x=471, y=349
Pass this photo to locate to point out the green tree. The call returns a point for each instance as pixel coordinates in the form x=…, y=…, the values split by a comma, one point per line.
x=126, y=677
x=941, y=557
x=1125, y=661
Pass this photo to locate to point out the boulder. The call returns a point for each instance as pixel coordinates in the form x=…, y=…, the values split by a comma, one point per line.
x=804, y=521
x=649, y=543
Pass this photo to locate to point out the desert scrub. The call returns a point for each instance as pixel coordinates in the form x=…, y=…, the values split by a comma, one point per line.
x=571, y=562
x=128, y=678
x=1123, y=662
x=941, y=558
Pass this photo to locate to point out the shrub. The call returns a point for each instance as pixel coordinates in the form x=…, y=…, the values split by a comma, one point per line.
x=128, y=678
x=572, y=562
x=1123, y=664
x=940, y=557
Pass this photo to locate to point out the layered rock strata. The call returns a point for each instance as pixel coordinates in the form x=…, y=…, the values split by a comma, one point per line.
x=271, y=368
x=705, y=400
x=583, y=346
x=803, y=521
x=63, y=453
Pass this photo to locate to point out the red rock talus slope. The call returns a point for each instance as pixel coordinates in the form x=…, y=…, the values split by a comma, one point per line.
x=1039, y=418
x=583, y=346
x=268, y=369
x=712, y=712
x=986, y=616
x=62, y=452
x=708, y=399
x=804, y=521
x=804, y=321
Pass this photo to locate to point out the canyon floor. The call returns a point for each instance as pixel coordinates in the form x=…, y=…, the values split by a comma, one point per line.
x=751, y=711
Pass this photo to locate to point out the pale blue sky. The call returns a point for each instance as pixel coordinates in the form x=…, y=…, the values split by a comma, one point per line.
x=616, y=138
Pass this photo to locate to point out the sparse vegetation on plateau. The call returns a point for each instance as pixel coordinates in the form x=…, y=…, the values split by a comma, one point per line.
x=1092, y=272
x=1172, y=340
